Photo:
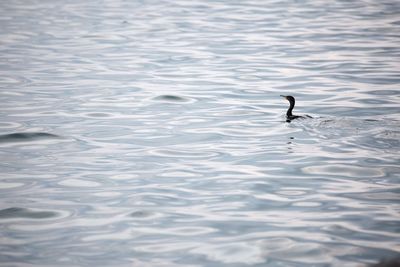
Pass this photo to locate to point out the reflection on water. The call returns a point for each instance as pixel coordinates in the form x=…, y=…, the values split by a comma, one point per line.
x=148, y=133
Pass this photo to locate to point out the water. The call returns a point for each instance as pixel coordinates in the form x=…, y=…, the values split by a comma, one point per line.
x=151, y=133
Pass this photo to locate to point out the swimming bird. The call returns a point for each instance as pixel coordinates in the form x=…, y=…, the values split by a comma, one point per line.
x=289, y=114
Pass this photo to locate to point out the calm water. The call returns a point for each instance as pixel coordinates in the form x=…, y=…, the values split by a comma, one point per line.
x=151, y=133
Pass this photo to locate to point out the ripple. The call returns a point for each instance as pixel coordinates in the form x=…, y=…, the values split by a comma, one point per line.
x=107, y=194
x=17, y=212
x=164, y=248
x=172, y=99
x=239, y=253
x=384, y=92
x=291, y=192
x=99, y=115
x=27, y=137
x=344, y=171
x=305, y=253
x=124, y=176
x=10, y=185
x=79, y=183
x=178, y=174
x=143, y=215
x=307, y=204
x=180, y=153
x=9, y=125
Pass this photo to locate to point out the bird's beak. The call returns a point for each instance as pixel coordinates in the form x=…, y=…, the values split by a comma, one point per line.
x=283, y=96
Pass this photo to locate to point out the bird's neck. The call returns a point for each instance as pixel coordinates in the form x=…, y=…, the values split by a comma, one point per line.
x=289, y=111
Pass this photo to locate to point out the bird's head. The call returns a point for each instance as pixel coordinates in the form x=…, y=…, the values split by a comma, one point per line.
x=288, y=98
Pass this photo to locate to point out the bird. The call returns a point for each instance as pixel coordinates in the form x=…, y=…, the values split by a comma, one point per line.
x=289, y=114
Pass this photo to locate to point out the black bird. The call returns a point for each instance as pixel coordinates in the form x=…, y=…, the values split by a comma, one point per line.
x=289, y=114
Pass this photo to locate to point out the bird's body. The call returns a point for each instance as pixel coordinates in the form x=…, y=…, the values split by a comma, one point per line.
x=289, y=114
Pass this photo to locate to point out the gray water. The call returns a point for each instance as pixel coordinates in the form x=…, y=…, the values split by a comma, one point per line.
x=152, y=133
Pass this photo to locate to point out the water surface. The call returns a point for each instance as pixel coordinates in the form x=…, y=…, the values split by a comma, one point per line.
x=151, y=133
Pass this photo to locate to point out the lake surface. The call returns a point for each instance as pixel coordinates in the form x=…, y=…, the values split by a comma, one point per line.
x=152, y=133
